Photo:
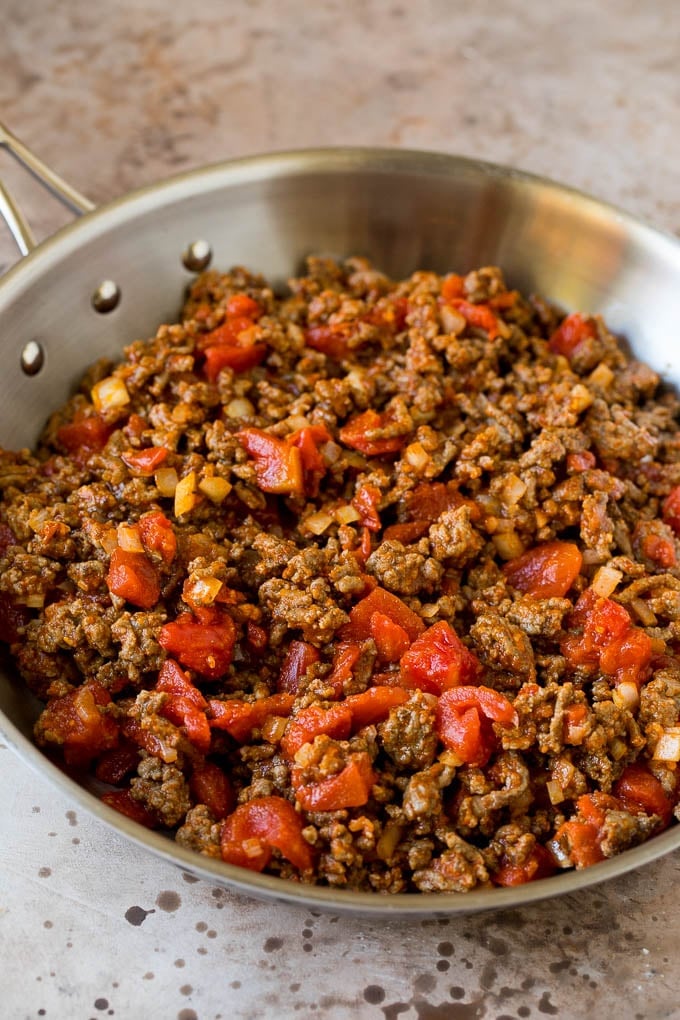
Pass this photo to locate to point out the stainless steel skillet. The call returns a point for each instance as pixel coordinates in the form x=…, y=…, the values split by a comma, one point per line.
x=403, y=209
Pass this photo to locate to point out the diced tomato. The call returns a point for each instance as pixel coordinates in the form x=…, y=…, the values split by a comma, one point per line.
x=365, y=502
x=628, y=657
x=411, y=531
x=380, y=601
x=641, y=792
x=671, y=509
x=131, y=729
x=158, y=536
x=570, y=334
x=539, y=864
x=240, y=359
x=391, y=640
x=311, y=722
x=307, y=441
x=210, y=785
x=583, y=461
x=203, y=640
x=115, y=764
x=145, y=462
x=374, y=704
x=452, y=287
x=183, y=711
x=331, y=340
x=658, y=549
x=581, y=837
x=173, y=680
x=299, y=657
x=251, y=832
x=464, y=717
x=241, y=306
x=480, y=316
x=494, y=705
x=356, y=433
x=125, y=804
x=545, y=571
x=132, y=576
x=256, y=637
x=429, y=500
x=608, y=640
x=79, y=723
x=437, y=661
x=345, y=658
x=573, y=722
x=13, y=618
x=240, y=718
x=349, y=788
x=84, y=435
x=278, y=465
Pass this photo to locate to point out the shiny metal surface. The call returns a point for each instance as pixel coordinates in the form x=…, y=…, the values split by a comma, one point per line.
x=405, y=210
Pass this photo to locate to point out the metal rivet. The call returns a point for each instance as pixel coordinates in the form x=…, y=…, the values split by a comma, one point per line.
x=106, y=296
x=32, y=358
x=197, y=256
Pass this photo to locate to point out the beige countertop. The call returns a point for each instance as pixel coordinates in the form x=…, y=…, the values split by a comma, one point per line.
x=118, y=95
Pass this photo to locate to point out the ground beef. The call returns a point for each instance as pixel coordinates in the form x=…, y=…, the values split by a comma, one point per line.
x=372, y=584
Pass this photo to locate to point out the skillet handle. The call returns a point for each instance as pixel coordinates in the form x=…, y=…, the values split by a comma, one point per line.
x=61, y=189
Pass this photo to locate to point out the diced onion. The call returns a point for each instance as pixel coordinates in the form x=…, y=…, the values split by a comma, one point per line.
x=347, y=515
x=626, y=695
x=668, y=745
x=330, y=452
x=508, y=544
x=109, y=393
x=580, y=398
x=416, y=455
x=318, y=522
x=34, y=601
x=389, y=840
x=215, y=488
x=239, y=407
x=451, y=320
x=109, y=540
x=202, y=591
x=618, y=748
x=555, y=792
x=166, y=481
x=512, y=490
x=605, y=581
x=601, y=376
x=128, y=538
x=273, y=728
x=185, y=494
x=297, y=421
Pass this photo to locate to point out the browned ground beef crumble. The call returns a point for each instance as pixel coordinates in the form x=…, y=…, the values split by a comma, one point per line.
x=527, y=445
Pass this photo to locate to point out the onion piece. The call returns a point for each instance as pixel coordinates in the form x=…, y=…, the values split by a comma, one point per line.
x=215, y=488
x=109, y=393
x=239, y=407
x=166, y=481
x=555, y=792
x=416, y=455
x=128, y=538
x=347, y=515
x=318, y=522
x=186, y=496
x=606, y=580
x=668, y=745
x=626, y=695
x=508, y=544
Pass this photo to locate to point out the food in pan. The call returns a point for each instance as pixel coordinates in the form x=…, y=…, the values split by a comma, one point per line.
x=372, y=584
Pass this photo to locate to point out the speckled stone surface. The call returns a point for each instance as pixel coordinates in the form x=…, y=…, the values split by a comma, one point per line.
x=118, y=95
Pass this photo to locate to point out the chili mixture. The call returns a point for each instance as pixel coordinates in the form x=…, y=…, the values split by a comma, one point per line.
x=372, y=584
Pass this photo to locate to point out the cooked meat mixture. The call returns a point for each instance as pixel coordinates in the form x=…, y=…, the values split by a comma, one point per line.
x=373, y=585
